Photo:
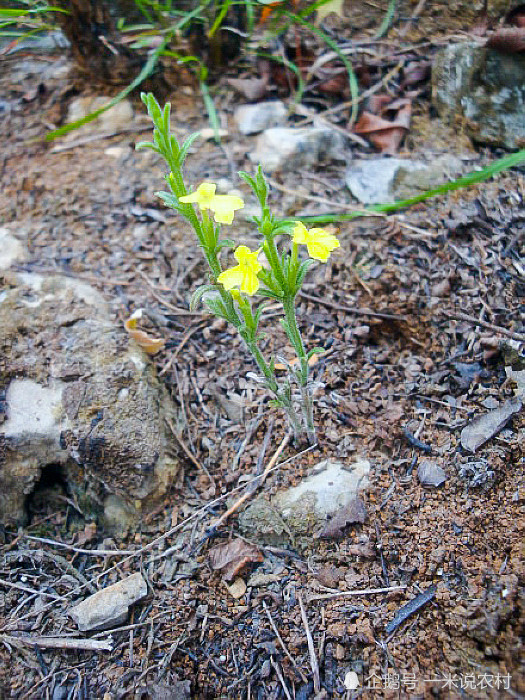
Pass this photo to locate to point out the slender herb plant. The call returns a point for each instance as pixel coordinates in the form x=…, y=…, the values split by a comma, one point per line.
x=230, y=292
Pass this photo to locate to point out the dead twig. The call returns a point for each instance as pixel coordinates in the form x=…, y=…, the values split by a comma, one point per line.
x=322, y=200
x=348, y=594
x=459, y=316
x=190, y=455
x=70, y=643
x=280, y=677
x=280, y=640
x=260, y=480
x=351, y=309
x=311, y=648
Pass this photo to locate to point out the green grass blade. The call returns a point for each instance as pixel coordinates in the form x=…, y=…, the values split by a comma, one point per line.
x=144, y=73
x=352, y=80
x=473, y=178
x=212, y=112
x=387, y=21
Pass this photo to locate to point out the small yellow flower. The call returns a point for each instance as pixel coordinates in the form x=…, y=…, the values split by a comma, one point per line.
x=223, y=206
x=243, y=275
x=318, y=241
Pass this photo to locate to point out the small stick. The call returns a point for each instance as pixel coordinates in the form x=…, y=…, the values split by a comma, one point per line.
x=258, y=483
x=280, y=677
x=311, y=648
x=184, y=340
x=322, y=200
x=70, y=643
x=280, y=640
x=189, y=454
x=351, y=309
x=484, y=324
x=26, y=589
x=363, y=591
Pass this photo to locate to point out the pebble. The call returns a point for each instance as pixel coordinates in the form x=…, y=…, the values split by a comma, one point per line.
x=288, y=149
x=110, y=606
x=254, y=118
x=431, y=474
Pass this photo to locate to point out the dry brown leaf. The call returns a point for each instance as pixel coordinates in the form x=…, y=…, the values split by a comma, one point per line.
x=353, y=512
x=386, y=134
x=231, y=558
x=145, y=341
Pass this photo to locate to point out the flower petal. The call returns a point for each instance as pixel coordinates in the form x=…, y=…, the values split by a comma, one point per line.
x=234, y=277
x=224, y=206
x=250, y=283
x=203, y=195
x=300, y=234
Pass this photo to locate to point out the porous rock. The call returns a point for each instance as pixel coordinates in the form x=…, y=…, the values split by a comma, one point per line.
x=110, y=606
x=287, y=149
x=482, y=91
x=79, y=395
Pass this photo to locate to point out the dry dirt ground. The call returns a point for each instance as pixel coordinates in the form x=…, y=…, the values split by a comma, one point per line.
x=413, y=311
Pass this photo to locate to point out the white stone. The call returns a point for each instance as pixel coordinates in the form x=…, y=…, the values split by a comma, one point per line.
x=331, y=486
x=117, y=117
x=289, y=149
x=12, y=250
x=254, y=118
x=372, y=181
x=110, y=606
x=33, y=410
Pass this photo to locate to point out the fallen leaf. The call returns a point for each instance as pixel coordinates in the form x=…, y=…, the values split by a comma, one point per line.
x=237, y=589
x=353, y=512
x=231, y=558
x=145, y=341
x=386, y=134
x=482, y=428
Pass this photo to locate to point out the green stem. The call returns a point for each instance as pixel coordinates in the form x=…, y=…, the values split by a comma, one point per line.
x=297, y=341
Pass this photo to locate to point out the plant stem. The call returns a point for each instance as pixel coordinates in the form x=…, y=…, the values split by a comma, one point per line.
x=296, y=339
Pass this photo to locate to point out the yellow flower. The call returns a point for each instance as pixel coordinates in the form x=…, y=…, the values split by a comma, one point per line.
x=243, y=275
x=319, y=242
x=223, y=206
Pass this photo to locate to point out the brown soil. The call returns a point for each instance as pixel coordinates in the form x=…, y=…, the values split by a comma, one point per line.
x=87, y=208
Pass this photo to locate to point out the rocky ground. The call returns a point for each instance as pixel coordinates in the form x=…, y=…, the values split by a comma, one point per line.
x=385, y=561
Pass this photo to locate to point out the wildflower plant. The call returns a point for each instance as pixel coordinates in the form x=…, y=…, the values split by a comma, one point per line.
x=232, y=291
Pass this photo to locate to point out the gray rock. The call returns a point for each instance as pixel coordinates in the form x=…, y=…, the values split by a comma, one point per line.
x=79, y=394
x=485, y=426
x=431, y=474
x=291, y=149
x=482, y=91
x=385, y=179
x=254, y=118
x=110, y=606
x=12, y=250
x=294, y=515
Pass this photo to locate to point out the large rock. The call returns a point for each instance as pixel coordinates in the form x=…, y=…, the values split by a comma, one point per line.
x=295, y=515
x=385, y=179
x=482, y=91
x=290, y=150
x=80, y=396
